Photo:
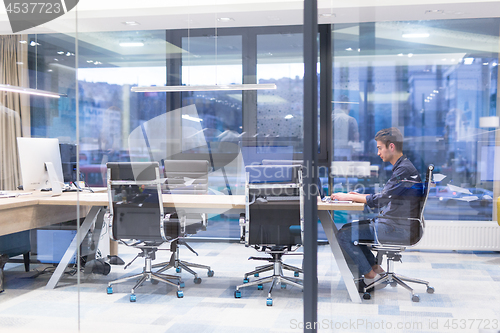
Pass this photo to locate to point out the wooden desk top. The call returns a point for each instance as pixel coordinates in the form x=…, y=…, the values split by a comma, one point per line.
x=170, y=200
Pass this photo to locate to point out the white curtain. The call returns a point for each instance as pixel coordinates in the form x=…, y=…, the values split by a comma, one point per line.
x=14, y=107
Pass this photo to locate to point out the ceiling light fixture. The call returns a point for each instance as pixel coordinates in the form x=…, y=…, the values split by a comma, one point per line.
x=188, y=117
x=131, y=44
x=415, y=35
x=60, y=52
x=434, y=11
x=21, y=90
x=468, y=61
x=288, y=116
x=224, y=87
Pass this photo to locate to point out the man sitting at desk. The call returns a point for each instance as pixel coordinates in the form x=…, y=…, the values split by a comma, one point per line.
x=390, y=149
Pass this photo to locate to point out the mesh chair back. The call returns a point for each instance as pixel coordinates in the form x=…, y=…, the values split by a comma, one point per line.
x=407, y=194
x=186, y=176
x=134, y=191
x=274, y=223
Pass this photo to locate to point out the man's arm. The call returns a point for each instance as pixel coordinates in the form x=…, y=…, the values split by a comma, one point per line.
x=351, y=196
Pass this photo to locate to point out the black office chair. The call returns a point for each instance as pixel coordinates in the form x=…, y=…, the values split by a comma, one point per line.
x=186, y=177
x=136, y=218
x=392, y=250
x=273, y=224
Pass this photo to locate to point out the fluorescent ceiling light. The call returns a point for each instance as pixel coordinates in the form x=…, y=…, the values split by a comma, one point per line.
x=288, y=116
x=131, y=44
x=341, y=102
x=468, y=61
x=416, y=35
x=188, y=117
x=267, y=86
x=21, y=90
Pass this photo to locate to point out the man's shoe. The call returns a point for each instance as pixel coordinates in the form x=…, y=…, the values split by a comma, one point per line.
x=361, y=285
x=368, y=281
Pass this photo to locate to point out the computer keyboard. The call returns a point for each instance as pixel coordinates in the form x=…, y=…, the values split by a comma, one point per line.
x=283, y=198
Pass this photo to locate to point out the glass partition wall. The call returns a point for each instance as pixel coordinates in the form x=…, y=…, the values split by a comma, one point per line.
x=435, y=80
x=441, y=94
x=38, y=135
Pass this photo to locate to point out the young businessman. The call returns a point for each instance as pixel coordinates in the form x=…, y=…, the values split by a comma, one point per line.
x=390, y=149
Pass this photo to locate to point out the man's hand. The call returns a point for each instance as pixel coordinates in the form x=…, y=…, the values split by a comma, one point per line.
x=351, y=196
x=342, y=196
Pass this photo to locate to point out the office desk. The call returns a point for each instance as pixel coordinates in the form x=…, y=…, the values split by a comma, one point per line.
x=25, y=213
x=35, y=211
x=325, y=216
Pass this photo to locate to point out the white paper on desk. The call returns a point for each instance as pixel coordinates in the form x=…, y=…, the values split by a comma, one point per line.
x=7, y=194
x=215, y=192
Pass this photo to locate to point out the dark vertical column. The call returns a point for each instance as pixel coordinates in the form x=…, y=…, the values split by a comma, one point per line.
x=310, y=162
x=325, y=88
x=174, y=69
x=325, y=93
x=366, y=111
x=249, y=98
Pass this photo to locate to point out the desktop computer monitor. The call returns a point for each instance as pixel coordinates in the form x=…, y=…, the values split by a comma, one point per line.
x=68, y=159
x=41, y=166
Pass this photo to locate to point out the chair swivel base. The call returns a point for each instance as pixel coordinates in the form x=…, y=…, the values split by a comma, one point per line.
x=148, y=275
x=179, y=265
x=394, y=279
x=277, y=278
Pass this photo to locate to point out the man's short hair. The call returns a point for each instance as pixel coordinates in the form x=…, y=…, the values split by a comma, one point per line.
x=390, y=135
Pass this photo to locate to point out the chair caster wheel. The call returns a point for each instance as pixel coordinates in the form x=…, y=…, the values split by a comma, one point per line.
x=109, y=290
x=296, y=274
x=154, y=282
x=210, y=273
x=133, y=298
x=180, y=294
x=245, y=280
x=415, y=298
x=269, y=302
x=256, y=275
x=197, y=280
x=237, y=294
x=283, y=286
x=430, y=290
x=181, y=285
x=260, y=287
x=178, y=269
x=393, y=284
x=367, y=296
